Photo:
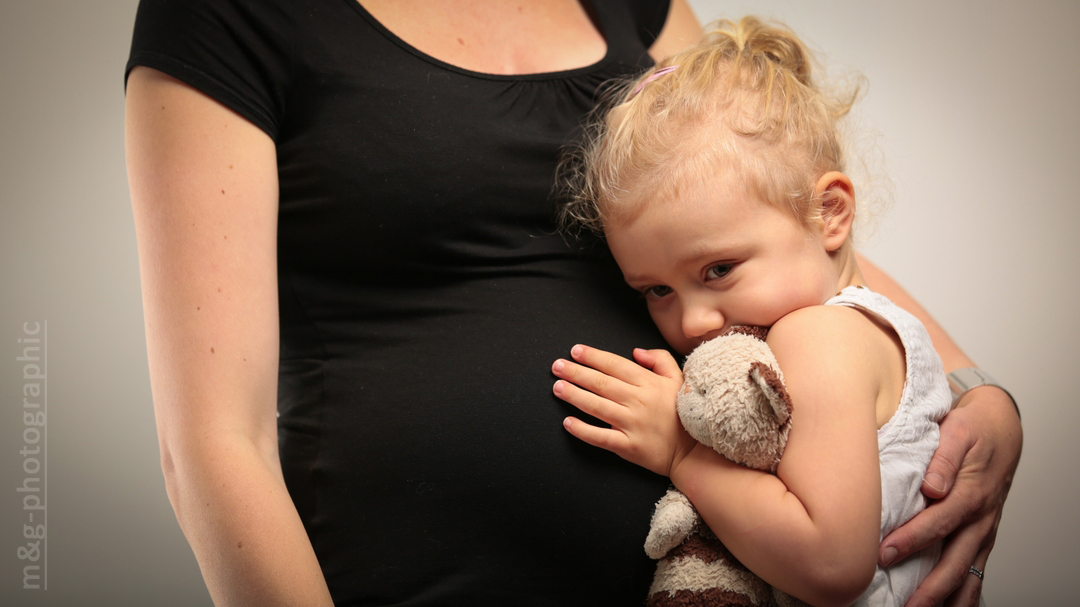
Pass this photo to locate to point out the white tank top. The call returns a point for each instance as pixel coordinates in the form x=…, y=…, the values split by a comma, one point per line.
x=905, y=443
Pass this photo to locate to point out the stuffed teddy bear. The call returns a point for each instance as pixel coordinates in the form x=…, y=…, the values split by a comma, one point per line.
x=734, y=400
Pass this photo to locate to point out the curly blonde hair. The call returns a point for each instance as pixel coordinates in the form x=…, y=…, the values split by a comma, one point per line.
x=741, y=103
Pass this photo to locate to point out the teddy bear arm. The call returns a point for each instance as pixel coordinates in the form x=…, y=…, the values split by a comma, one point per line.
x=673, y=520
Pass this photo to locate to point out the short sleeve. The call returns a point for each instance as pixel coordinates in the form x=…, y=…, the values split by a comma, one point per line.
x=650, y=16
x=234, y=51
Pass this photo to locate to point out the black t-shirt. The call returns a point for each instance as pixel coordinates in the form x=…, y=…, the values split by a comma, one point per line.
x=424, y=294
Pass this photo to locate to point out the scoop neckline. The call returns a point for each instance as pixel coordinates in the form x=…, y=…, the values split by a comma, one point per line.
x=602, y=26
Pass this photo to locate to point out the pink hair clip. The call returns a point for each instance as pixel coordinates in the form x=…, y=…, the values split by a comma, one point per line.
x=654, y=76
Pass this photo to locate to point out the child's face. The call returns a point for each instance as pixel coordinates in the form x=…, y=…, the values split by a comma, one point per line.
x=716, y=258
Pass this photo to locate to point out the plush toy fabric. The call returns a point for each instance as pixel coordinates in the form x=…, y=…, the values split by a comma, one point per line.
x=733, y=400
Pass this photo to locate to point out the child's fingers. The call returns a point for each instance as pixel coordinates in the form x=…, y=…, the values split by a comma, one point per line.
x=605, y=438
x=592, y=380
x=592, y=404
x=660, y=362
x=610, y=364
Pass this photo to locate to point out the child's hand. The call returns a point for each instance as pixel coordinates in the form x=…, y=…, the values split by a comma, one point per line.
x=637, y=399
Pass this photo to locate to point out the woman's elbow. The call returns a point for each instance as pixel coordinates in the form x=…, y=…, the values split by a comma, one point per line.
x=173, y=484
x=184, y=477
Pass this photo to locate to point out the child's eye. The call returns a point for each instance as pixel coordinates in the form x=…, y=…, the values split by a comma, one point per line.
x=656, y=292
x=720, y=270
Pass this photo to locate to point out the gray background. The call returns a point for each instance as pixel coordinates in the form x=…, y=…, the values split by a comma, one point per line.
x=975, y=106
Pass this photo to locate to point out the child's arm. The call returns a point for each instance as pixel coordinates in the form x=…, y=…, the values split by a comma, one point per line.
x=812, y=530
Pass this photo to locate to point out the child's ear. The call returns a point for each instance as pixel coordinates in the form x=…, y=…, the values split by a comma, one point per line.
x=836, y=195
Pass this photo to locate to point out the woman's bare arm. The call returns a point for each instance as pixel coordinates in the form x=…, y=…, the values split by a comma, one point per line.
x=970, y=474
x=204, y=191
x=951, y=354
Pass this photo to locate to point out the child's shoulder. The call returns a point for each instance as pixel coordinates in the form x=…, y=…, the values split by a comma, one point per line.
x=829, y=340
x=823, y=325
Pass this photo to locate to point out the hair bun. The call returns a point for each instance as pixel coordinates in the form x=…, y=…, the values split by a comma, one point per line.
x=759, y=42
x=741, y=102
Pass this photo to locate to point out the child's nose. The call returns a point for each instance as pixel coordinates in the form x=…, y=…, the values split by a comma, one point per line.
x=702, y=322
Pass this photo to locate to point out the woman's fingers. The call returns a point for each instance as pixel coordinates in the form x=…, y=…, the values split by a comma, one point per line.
x=956, y=441
x=952, y=578
x=925, y=528
x=962, y=496
x=967, y=595
x=982, y=439
x=950, y=572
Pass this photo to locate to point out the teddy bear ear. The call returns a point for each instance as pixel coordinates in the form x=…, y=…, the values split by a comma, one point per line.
x=772, y=386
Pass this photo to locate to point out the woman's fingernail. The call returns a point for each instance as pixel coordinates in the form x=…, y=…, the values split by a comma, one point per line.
x=566, y=423
x=577, y=351
x=935, y=481
x=888, y=555
x=558, y=366
x=558, y=387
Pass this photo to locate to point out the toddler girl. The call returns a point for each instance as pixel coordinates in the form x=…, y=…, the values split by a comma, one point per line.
x=718, y=182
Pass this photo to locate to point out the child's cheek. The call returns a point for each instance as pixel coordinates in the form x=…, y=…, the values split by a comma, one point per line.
x=671, y=328
x=784, y=297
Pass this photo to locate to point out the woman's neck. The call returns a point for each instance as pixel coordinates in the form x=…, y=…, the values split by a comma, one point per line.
x=495, y=36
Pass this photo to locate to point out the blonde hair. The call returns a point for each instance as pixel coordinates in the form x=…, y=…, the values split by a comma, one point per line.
x=741, y=103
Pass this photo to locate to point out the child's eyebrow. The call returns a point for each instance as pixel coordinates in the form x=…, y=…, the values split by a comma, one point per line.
x=711, y=251
x=632, y=279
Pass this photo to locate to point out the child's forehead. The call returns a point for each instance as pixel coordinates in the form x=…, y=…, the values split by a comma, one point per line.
x=718, y=161
x=689, y=180
x=709, y=198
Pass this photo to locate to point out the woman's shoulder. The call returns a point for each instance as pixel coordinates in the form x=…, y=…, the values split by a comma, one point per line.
x=179, y=21
x=238, y=53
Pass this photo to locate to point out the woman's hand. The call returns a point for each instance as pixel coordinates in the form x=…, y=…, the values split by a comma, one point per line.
x=636, y=399
x=969, y=476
